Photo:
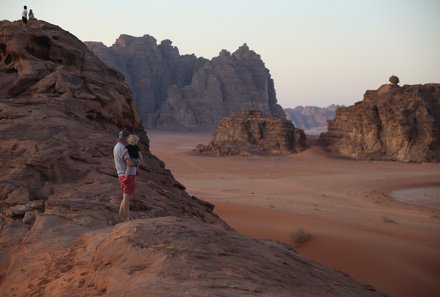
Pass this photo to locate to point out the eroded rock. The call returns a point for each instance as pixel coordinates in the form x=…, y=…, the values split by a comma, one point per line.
x=174, y=91
x=252, y=132
x=391, y=123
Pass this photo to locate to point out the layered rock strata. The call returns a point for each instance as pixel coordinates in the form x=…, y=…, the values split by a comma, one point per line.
x=252, y=132
x=174, y=91
x=391, y=123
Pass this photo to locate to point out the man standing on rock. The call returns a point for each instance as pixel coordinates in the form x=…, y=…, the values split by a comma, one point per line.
x=127, y=183
x=24, y=15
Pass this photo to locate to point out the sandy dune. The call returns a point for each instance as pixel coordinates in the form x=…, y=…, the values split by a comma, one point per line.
x=377, y=221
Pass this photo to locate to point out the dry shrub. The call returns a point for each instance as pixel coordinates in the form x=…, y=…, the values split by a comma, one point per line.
x=299, y=236
x=386, y=219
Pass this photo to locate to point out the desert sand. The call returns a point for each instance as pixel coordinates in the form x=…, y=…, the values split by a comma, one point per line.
x=377, y=221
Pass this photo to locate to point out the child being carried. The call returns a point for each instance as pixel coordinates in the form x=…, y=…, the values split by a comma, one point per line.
x=134, y=152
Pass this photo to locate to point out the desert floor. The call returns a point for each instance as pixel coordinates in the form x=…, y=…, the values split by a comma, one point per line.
x=377, y=221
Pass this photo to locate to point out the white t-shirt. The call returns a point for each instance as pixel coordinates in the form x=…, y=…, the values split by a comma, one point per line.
x=121, y=160
x=24, y=14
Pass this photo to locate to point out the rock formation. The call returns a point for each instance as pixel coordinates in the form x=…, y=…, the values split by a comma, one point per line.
x=394, y=80
x=391, y=123
x=60, y=111
x=184, y=92
x=252, y=132
x=312, y=119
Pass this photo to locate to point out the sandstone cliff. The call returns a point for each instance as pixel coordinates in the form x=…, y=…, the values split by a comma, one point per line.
x=252, y=132
x=312, y=119
x=184, y=92
x=60, y=111
x=392, y=123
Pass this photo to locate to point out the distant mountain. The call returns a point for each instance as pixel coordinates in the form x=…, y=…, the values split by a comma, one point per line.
x=312, y=119
x=174, y=91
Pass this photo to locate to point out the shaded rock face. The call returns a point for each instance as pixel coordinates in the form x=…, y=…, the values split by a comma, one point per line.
x=311, y=118
x=391, y=123
x=59, y=195
x=184, y=92
x=252, y=132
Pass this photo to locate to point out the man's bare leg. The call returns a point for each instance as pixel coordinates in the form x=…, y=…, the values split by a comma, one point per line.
x=124, y=208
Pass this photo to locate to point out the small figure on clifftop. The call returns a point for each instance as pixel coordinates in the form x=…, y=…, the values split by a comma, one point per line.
x=31, y=15
x=24, y=15
x=394, y=80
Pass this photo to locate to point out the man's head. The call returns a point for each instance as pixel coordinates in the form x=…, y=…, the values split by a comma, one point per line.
x=123, y=134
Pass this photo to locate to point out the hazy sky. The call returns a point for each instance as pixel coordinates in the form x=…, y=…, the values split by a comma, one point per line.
x=318, y=51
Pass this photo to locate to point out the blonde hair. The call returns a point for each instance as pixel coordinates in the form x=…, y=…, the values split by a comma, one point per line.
x=132, y=139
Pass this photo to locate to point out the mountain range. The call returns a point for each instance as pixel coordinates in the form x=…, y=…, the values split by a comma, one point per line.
x=311, y=119
x=183, y=92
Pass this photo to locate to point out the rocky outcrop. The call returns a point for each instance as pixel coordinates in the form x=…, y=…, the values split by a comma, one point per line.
x=252, y=132
x=60, y=112
x=391, y=123
x=312, y=119
x=185, y=92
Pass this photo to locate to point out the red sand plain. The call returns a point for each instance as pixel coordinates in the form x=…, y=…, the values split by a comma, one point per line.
x=377, y=221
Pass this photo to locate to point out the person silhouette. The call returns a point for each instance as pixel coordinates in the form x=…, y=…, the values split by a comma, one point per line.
x=24, y=15
x=31, y=15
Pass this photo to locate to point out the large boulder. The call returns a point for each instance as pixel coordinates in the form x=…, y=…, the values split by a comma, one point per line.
x=174, y=91
x=60, y=112
x=391, y=123
x=253, y=132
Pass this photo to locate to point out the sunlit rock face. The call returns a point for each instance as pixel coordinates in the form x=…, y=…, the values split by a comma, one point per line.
x=391, y=123
x=253, y=132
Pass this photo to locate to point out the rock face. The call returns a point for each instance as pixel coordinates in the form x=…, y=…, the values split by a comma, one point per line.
x=391, y=123
x=311, y=118
x=60, y=111
x=252, y=132
x=184, y=92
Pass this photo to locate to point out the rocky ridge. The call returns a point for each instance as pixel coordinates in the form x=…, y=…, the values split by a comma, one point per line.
x=312, y=119
x=392, y=123
x=174, y=91
x=60, y=111
x=252, y=132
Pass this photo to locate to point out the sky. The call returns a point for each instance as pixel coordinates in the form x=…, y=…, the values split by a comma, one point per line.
x=319, y=52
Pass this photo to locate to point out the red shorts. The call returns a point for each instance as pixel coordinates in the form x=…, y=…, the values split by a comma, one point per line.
x=128, y=184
